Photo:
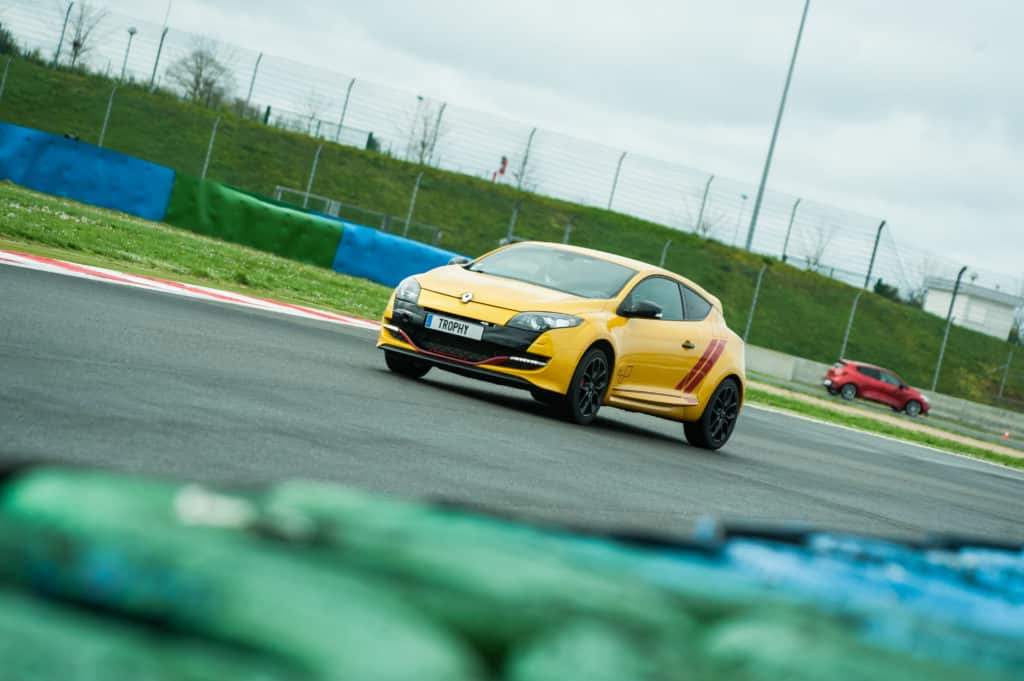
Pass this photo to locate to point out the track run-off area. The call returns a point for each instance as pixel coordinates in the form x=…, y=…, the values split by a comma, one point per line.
x=160, y=380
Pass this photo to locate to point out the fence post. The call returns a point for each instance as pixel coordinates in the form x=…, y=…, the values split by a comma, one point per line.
x=849, y=323
x=63, y=29
x=703, y=203
x=252, y=81
x=3, y=83
x=568, y=231
x=664, y=252
x=277, y=192
x=512, y=222
x=385, y=223
x=753, y=303
x=312, y=175
x=874, y=252
x=1006, y=372
x=344, y=109
x=412, y=204
x=437, y=236
x=156, y=62
x=615, y=181
x=526, y=157
x=789, y=230
x=209, y=147
x=106, y=117
x=949, y=322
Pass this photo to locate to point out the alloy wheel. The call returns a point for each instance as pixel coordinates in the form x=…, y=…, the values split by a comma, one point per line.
x=724, y=412
x=593, y=384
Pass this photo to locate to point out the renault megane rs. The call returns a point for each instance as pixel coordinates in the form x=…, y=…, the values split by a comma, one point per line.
x=578, y=328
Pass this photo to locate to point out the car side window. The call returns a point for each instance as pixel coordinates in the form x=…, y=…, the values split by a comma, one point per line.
x=890, y=379
x=663, y=292
x=694, y=304
x=870, y=373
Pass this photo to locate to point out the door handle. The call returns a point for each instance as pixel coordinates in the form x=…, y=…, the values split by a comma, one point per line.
x=689, y=345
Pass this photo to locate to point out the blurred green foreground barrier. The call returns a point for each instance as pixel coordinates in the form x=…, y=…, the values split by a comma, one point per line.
x=105, y=576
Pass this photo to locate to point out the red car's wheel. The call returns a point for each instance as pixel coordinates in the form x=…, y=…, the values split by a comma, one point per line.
x=848, y=391
x=913, y=408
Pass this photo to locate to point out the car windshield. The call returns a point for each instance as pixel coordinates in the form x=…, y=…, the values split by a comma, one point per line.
x=558, y=269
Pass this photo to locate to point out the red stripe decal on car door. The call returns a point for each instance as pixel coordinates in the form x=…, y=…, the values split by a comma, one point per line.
x=698, y=366
x=696, y=381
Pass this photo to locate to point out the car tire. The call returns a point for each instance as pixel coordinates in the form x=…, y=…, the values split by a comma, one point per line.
x=913, y=408
x=587, y=388
x=406, y=366
x=715, y=426
x=848, y=391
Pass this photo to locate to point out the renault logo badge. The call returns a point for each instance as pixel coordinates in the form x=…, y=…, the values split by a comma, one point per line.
x=467, y=296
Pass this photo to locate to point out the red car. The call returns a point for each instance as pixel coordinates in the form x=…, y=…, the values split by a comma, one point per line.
x=870, y=382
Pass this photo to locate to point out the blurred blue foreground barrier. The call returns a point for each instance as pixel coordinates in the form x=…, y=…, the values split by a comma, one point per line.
x=113, y=576
x=384, y=258
x=83, y=172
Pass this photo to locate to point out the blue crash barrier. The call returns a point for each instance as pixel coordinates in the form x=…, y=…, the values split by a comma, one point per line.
x=83, y=172
x=384, y=258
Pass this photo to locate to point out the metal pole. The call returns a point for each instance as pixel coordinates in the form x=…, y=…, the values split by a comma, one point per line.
x=874, y=252
x=344, y=109
x=156, y=62
x=437, y=237
x=512, y=221
x=739, y=218
x=209, y=147
x=775, y=132
x=849, y=323
x=664, y=252
x=789, y=230
x=412, y=204
x=568, y=231
x=703, y=203
x=615, y=182
x=437, y=130
x=526, y=157
x=63, y=29
x=106, y=118
x=252, y=81
x=1006, y=372
x=312, y=175
x=124, y=65
x=3, y=82
x=753, y=303
x=949, y=322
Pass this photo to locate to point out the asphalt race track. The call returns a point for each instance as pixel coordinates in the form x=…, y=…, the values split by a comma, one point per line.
x=97, y=373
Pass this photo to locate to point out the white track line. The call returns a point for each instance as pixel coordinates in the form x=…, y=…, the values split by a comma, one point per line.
x=178, y=288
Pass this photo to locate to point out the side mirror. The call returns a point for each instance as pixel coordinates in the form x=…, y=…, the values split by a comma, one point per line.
x=642, y=309
x=459, y=260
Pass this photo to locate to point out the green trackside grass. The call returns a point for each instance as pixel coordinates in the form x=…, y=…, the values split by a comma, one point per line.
x=59, y=228
x=868, y=424
x=800, y=313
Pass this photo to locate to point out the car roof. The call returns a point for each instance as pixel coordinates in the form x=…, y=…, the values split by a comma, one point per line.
x=867, y=364
x=640, y=266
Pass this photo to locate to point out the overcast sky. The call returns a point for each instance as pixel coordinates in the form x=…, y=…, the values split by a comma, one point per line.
x=911, y=110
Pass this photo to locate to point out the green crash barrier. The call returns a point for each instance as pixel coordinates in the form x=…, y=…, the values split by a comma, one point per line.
x=322, y=582
x=229, y=214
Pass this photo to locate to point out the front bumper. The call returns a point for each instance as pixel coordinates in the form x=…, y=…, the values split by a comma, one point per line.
x=504, y=355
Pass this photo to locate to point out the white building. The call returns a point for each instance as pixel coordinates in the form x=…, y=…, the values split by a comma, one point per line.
x=980, y=309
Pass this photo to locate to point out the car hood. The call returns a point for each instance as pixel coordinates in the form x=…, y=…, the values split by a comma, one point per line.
x=508, y=294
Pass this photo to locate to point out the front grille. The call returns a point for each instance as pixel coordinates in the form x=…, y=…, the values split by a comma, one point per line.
x=454, y=346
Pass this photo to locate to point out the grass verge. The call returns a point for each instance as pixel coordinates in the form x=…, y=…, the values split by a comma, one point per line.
x=868, y=424
x=58, y=228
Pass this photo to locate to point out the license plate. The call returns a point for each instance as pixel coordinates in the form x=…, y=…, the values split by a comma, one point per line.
x=455, y=327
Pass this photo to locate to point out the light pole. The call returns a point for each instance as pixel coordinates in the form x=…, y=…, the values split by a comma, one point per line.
x=775, y=132
x=124, y=65
x=874, y=252
x=949, y=322
x=63, y=29
x=789, y=230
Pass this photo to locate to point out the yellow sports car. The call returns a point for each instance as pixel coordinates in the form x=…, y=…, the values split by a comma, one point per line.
x=579, y=329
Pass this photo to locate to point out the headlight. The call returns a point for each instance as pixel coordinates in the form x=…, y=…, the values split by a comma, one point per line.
x=924, y=398
x=408, y=290
x=542, y=321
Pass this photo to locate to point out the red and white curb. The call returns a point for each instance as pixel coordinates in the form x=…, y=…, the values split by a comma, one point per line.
x=177, y=288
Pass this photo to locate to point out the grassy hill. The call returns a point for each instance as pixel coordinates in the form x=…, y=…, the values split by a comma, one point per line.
x=799, y=312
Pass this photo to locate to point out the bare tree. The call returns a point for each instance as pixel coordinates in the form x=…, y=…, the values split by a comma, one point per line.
x=83, y=22
x=202, y=76
x=815, y=246
x=425, y=130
